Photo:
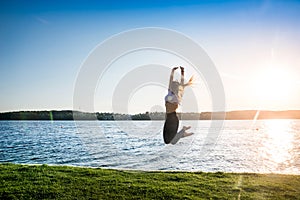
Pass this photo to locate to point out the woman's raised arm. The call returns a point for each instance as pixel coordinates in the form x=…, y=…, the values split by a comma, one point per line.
x=182, y=76
x=172, y=76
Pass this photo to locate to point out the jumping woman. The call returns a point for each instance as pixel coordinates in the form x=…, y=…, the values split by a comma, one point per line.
x=172, y=100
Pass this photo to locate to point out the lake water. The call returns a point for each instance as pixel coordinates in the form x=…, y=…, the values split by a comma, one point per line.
x=266, y=146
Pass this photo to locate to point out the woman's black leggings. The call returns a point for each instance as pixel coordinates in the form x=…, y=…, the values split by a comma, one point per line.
x=170, y=127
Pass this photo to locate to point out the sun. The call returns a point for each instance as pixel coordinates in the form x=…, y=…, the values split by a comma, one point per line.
x=274, y=85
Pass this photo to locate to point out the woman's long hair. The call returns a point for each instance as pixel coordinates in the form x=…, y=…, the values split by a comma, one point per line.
x=178, y=89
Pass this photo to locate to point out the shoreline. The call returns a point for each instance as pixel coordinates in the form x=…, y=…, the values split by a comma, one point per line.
x=145, y=170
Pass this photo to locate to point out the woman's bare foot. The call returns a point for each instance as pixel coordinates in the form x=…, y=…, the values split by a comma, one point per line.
x=186, y=128
x=185, y=134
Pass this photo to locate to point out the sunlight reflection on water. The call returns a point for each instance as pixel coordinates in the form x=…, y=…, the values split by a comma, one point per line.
x=279, y=140
x=278, y=145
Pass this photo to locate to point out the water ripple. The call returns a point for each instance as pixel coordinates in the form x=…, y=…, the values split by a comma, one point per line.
x=266, y=146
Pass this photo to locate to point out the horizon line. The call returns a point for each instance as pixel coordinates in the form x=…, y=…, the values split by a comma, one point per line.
x=248, y=110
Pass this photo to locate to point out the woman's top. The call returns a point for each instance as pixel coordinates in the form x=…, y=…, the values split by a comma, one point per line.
x=171, y=102
x=171, y=97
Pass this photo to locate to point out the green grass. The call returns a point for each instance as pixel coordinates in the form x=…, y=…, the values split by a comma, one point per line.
x=61, y=182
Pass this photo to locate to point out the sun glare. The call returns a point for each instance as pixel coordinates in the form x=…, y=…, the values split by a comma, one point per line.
x=274, y=85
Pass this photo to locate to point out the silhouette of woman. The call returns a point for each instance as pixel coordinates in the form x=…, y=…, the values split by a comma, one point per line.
x=172, y=100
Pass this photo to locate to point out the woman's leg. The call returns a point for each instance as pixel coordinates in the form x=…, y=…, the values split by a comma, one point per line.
x=170, y=127
x=181, y=134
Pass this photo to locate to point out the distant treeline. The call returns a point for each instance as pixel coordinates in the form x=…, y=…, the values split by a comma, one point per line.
x=77, y=115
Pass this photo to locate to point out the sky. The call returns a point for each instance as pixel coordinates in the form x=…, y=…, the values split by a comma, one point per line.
x=254, y=46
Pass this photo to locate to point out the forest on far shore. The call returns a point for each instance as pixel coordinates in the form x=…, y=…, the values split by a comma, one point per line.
x=77, y=115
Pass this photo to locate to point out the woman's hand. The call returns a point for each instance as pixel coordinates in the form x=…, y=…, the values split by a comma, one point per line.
x=182, y=72
x=175, y=68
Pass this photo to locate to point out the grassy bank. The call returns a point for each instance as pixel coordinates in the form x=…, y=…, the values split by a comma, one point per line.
x=60, y=182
